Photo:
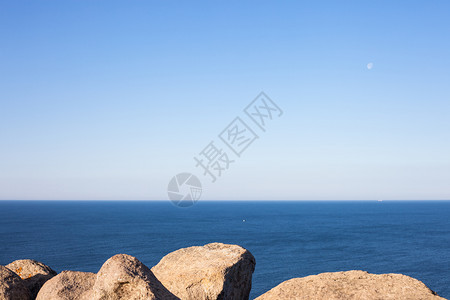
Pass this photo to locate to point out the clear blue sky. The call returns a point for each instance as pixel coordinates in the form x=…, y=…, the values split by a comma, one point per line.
x=110, y=99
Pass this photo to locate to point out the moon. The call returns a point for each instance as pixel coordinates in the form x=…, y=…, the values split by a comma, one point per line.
x=370, y=66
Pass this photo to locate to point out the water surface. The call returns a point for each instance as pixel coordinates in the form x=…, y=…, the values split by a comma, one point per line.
x=288, y=239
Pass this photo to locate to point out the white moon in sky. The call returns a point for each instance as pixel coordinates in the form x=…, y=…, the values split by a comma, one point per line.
x=370, y=66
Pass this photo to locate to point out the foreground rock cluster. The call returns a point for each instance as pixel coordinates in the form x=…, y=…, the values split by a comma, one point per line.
x=214, y=271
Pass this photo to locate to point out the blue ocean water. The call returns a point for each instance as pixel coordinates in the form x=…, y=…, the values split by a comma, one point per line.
x=288, y=239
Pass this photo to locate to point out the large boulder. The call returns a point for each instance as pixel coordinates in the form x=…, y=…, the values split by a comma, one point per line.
x=12, y=286
x=68, y=285
x=125, y=277
x=33, y=273
x=213, y=271
x=351, y=285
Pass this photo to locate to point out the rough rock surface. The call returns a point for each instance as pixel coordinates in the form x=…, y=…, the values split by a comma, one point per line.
x=12, y=286
x=351, y=285
x=213, y=271
x=33, y=273
x=68, y=285
x=125, y=277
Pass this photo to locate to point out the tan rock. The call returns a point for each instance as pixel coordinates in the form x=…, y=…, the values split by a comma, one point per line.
x=125, y=277
x=33, y=273
x=351, y=285
x=12, y=286
x=213, y=271
x=68, y=285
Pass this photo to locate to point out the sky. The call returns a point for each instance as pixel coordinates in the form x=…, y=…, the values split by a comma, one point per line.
x=108, y=100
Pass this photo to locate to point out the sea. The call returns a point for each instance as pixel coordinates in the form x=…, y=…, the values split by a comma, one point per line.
x=287, y=238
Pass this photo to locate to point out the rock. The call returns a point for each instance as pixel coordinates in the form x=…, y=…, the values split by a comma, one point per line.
x=33, y=273
x=125, y=277
x=213, y=271
x=12, y=286
x=68, y=285
x=351, y=285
